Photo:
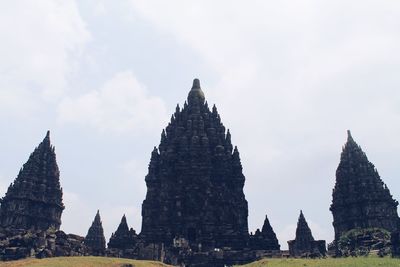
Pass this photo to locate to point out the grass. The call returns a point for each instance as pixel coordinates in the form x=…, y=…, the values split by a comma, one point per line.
x=81, y=262
x=118, y=262
x=329, y=262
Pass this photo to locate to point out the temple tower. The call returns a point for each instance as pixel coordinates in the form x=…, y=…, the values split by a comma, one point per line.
x=34, y=200
x=94, y=239
x=360, y=199
x=123, y=237
x=195, y=181
x=304, y=243
x=264, y=239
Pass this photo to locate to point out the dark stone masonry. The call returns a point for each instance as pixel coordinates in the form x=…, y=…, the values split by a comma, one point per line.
x=304, y=244
x=361, y=200
x=94, y=239
x=34, y=200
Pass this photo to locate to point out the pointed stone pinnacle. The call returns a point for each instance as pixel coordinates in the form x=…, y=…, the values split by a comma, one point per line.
x=196, y=84
x=349, y=137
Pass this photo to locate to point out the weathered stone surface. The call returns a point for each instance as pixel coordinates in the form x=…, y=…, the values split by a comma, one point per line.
x=34, y=200
x=94, y=239
x=195, y=182
x=360, y=198
x=304, y=245
x=264, y=239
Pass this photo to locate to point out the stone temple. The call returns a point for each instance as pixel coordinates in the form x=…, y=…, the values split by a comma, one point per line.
x=264, y=239
x=360, y=198
x=34, y=200
x=195, y=182
x=94, y=239
x=304, y=245
x=123, y=242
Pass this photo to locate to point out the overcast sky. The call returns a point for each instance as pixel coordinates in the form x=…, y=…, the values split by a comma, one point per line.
x=288, y=78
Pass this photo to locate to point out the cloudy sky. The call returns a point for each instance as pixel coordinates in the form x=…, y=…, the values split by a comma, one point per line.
x=288, y=78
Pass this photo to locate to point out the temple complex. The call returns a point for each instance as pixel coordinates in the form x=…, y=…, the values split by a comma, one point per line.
x=34, y=200
x=304, y=244
x=94, y=239
x=195, y=182
x=360, y=198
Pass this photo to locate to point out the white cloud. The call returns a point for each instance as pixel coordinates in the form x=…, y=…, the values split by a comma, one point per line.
x=39, y=45
x=121, y=105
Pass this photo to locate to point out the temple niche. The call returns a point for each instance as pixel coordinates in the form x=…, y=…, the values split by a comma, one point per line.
x=195, y=182
x=360, y=199
x=34, y=200
x=304, y=245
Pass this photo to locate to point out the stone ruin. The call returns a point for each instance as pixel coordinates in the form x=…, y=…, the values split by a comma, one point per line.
x=94, y=240
x=304, y=244
x=123, y=242
x=30, y=212
x=360, y=199
x=265, y=239
x=34, y=200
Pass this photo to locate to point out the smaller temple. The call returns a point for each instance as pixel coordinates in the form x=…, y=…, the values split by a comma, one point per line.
x=264, y=239
x=360, y=198
x=123, y=242
x=94, y=239
x=34, y=200
x=304, y=244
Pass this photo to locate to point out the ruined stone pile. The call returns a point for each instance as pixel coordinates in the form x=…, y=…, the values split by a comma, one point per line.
x=19, y=244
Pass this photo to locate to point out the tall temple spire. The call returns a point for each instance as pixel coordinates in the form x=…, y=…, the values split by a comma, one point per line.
x=94, y=239
x=34, y=200
x=196, y=175
x=360, y=199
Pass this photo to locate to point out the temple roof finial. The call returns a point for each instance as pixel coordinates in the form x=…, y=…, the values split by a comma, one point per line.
x=349, y=137
x=196, y=84
x=196, y=94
